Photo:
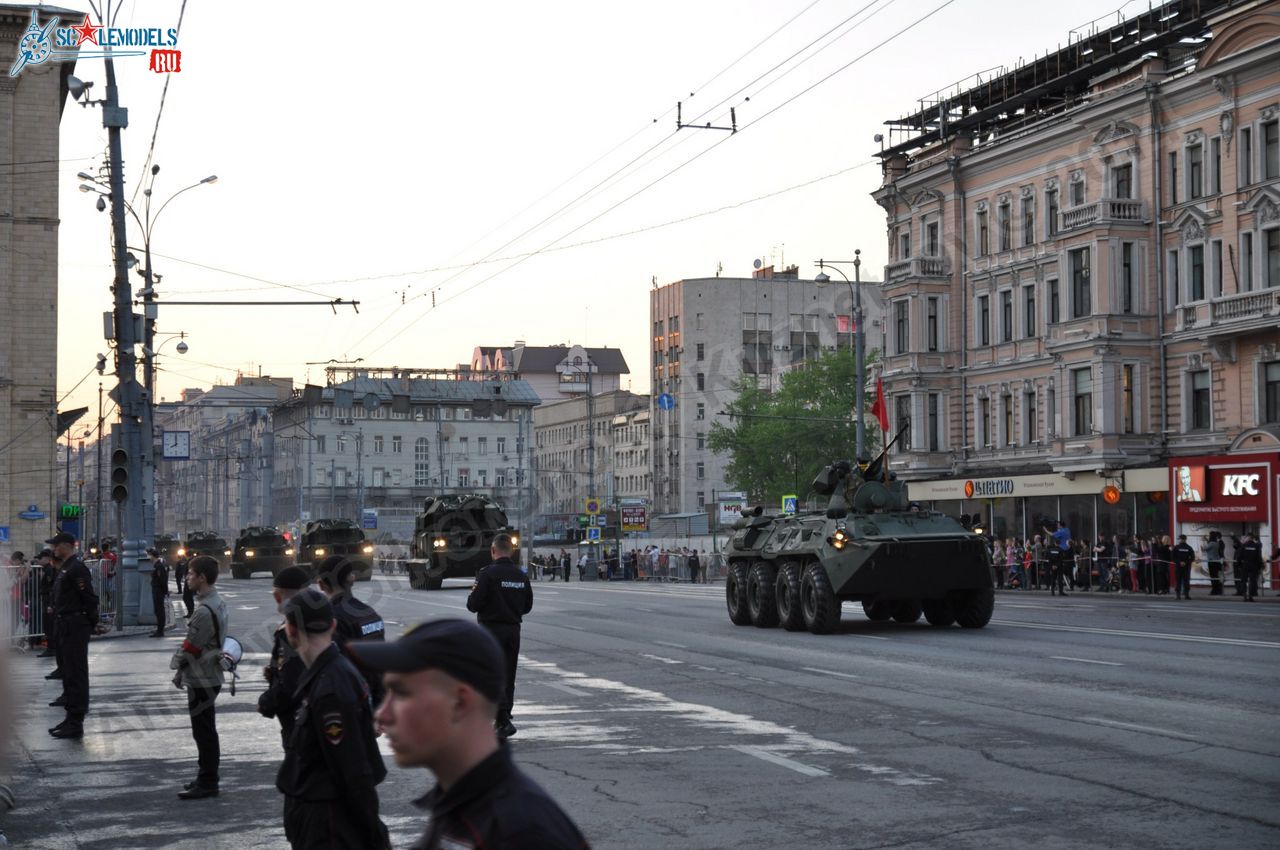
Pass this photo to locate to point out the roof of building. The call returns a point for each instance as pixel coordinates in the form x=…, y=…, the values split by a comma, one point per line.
x=545, y=358
x=419, y=390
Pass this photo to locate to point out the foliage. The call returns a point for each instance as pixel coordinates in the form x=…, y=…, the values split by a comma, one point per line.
x=778, y=442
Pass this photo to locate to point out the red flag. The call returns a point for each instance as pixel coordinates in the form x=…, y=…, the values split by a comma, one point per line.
x=879, y=409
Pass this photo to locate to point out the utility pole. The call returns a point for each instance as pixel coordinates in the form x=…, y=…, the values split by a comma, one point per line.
x=97, y=490
x=591, y=461
x=333, y=484
x=360, y=475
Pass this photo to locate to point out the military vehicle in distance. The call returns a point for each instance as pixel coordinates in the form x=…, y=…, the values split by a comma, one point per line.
x=869, y=545
x=206, y=543
x=451, y=538
x=260, y=549
x=167, y=545
x=325, y=537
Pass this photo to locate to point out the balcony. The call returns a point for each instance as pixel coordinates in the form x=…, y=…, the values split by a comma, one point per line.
x=1104, y=211
x=917, y=267
x=1247, y=305
x=1241, y=313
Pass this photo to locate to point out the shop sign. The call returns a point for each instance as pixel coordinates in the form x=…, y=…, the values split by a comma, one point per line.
x=986, y=487
x=633, y=518
x=1229, y=492
x=729, y=506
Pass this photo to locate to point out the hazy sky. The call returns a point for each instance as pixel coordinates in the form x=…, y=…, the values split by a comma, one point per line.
x=367, y=157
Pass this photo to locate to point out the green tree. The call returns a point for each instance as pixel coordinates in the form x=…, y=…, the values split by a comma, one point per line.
x=778, y=442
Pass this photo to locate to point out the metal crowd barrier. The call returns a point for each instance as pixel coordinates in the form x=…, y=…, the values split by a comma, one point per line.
x=22, y=614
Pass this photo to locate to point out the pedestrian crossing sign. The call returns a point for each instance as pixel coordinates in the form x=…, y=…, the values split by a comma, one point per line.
x=593, y=534
x=789, y=504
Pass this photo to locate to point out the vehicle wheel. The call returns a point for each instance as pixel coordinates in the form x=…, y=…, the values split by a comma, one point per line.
x=787, y=593
x=735, y=595
x=878, y=612
x=239, y=572
x=973, y=607
x=760, y=599
x=818, y=601
x=938, y=612
x=907, y=611
x=429, y=583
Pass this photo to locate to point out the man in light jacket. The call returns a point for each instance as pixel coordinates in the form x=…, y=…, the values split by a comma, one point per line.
x=199, y=665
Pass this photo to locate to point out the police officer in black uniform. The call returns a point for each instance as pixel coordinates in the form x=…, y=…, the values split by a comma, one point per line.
x=1250, y=557
x=76, y=607
x=500, y=598
x=285, y=669
x=450, y=674
x=159, y=590
x=356, y=620
x=332, y=766
x=180, y=574
x=1182, y=556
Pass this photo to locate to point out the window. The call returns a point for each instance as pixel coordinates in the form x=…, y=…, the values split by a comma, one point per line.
x=377, y=444
x=341, y=444
x=1245, y=154
x=700, y=321
x=1200, y=411
x=931, y=242
x=984, y=424
x=1051, y=407
x=984, y=320
x=701, y=440
x=1215, y=166
x=1055, y=308
x=1006, y=315
x=984, y=238
x=1126, y=401
x=464, y=477
x=702, y=381
x=1051, y=213
x=1006, y=403
x=1082, y=401
x=1272, y=238
x=1126, y=277
x=421, y=462
x=397, y=445
x=1080, y=289
x=1271, y=150
x=1031, y=417
x=1029, y=322
x=1195, y=171
x=1122, y=181
x=931, y=323
x=935, y=421
x=1173, y=177
x=1174, y=278
x=1004, y=215
x=756, y=321
x=701, y=412
x=701, y=351
x=1271, y=393
x=901, y=328
x=502, y=445
x=1246, y=261
x=1028, y=222
x=483, y=445
x=320, y=445
x=902, y=419
x=904, y=244
x=464, y=446
x=1196, y=257
x=1215, y=257
x=500, y=478
x=1077, y=193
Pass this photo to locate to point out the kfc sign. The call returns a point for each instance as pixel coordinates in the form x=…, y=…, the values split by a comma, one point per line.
x=1240, y=485
x=1221, y=492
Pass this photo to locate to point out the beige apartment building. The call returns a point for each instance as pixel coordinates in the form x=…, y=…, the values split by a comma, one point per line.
x=1084, y=280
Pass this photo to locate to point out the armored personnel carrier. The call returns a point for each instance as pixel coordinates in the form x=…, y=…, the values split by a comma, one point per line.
x=206, y=543
x=869, y=545
x=260, y=549
x=325, y=537
x=167, y=545
x=451, y=538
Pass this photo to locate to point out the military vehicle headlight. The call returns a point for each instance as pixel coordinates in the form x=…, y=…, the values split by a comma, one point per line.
x=288, y=551
x=226, y=551
x=368, y=550
x=439, y=543
x=319, y=552
x=838, y=539
x=515, y=540
x=181, y=552
x=248, y=553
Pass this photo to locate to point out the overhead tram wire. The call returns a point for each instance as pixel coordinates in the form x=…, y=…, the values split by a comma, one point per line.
x=35, y=422
x=164, y=93
x=662, y=177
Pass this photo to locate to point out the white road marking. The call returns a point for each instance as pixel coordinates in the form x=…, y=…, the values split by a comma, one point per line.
x=1267, y=644
x=247, y=608
x=868, y=637
x=1085, y=660
x=575, y=628
x=1004, y=604
x=1134, y=727
x=660, y=658
x=646, y=610
x=830, y=673
x=668, y=643
x=781, y=761
x=708, y=669
x=565, y=688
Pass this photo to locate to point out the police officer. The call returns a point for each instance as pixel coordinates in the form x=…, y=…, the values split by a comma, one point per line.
x=76, y=610
x=500, y=598
x=1182, y=556
x=332, y=766
x=180, y=574
x=1250, y=555
x=285, y=669
x=159, y=590
x=356, y=620
x=444, y=682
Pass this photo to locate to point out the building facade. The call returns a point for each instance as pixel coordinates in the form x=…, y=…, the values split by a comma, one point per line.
x=31, y=106
x=708, y=332
x=1085, y=270
x=555, y=371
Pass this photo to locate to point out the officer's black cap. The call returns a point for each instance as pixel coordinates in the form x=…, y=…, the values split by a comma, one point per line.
x=291, y=578
x=309, y=610
x=464, y=650
x=61, y=537
x=45, y=553
x=335, y=571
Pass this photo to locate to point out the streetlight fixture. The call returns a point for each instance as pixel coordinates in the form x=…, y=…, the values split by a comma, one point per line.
x=857, y=343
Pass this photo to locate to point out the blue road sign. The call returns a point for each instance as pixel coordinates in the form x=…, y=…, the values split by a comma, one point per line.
x=593, y=533
x=666, y=401
x=789, y=504
x=4, y=534
x=32, y=512
x=369, y=519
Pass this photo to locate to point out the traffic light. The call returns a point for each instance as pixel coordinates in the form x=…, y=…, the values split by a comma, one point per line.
x=119, y=475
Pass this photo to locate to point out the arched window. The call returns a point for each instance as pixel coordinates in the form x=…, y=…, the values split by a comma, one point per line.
x=421, y=463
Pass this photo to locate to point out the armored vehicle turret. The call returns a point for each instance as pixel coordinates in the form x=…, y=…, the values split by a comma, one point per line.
x=325, y=537
x=869, y=545
x=451, y=538
x=206, y=543
x=260, y=549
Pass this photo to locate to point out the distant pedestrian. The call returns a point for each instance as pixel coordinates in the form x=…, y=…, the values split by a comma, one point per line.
x=1183, y=556
x=1214, y=550
x=500, y=598
x=444, y=684
x=199, y=665
x=356, y=620
x=1237, y=565
x=76, y=610
x=1251, y=564
x=285, y=669
x=566, y=565
x=332, y=766
x=694, y=566
x=159, y=590
x=180, y=574
x=1059, y=547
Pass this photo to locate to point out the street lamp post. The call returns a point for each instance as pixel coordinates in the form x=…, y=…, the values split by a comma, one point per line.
x=858, y=342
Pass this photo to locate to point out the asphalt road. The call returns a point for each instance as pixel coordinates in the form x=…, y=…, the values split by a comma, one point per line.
x=1091, y=721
